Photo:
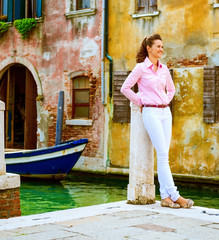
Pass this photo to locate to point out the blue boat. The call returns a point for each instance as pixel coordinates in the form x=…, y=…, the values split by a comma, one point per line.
x=48, y=163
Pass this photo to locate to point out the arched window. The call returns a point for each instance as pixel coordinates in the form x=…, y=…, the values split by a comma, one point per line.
x=80, y=97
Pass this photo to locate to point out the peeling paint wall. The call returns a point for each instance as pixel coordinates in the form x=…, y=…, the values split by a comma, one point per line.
x=191, y=40
x=58, y=47
x=189, y=29
x=194, y=147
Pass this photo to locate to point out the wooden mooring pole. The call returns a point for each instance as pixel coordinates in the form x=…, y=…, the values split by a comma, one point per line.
x=141, y=188
x=59, y=118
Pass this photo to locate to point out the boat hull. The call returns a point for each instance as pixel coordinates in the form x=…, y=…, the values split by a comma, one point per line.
x=51, y=163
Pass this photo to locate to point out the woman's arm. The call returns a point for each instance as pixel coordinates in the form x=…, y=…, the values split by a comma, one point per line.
x=130, y=82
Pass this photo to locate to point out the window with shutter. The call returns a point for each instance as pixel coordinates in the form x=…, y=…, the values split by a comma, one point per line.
x=211, y=95
x=81, y=97
x=81, y=8
x=146, y=6
x=3, y=7
x=14, y=9
x=81, y=4
x=19, y=9
x=216, y=93
x=121, y=105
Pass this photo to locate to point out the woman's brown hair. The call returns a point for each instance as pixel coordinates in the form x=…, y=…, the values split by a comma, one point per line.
x=148, y=41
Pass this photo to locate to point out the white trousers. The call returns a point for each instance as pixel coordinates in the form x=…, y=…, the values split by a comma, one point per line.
x=158, y=123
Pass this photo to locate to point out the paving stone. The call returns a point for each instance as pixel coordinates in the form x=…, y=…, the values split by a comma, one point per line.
x=81, y=237
x=38, y=229
x=131, y=214
x=175, y=221
x=199, y=233
x=213, y=225
x=158, y=236
x=5, y=234
x=47, y=235
x=156, y=228
x=117, y=234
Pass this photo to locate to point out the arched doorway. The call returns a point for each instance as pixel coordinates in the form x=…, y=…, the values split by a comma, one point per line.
x=19, y=91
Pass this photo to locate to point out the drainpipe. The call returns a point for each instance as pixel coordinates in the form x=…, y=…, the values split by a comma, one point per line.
x=103, y=55
x=106, y=49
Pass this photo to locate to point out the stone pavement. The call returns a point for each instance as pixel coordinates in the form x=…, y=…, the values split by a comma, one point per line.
x=115, y=221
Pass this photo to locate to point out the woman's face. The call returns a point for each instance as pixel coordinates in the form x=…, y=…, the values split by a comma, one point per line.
x=156, y=50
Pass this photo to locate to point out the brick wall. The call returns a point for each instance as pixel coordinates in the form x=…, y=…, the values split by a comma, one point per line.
x=198, y=61
x=10, y=203
x=93, y=133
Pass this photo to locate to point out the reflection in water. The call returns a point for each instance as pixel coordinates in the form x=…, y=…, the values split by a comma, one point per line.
x=86, y=190
x=87, y=193
x=44, y=196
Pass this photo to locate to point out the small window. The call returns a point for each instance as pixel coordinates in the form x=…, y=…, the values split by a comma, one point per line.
x=3, y=10
x=81, y=97
x=146, y=6
x=81, y=4
x=12, y=9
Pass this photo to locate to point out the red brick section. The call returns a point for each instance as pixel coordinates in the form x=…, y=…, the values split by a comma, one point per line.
x=200, y=60
x=93, y=133
x=10, y=203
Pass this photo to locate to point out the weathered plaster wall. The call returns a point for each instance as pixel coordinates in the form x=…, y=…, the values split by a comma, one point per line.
x=119, y=152
x=190, y=35
x=189, y=30
x=56, y=48
x=194, y=147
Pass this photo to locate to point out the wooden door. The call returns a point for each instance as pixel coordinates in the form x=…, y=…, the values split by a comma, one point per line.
x=30, y=134
x=10, y=109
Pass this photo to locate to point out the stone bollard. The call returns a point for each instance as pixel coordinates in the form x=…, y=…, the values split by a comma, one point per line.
x=141, y=188
x=9, y=183
x=2, y=156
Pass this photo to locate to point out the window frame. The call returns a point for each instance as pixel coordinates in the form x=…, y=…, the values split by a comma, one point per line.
x=77, y=4
x=74, y=105
x=13, y=11
x=138, y=12
x=73, y=12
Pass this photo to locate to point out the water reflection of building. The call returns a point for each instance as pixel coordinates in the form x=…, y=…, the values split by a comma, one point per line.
x=44, y=196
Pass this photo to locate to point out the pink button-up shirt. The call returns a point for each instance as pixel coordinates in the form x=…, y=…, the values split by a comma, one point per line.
x=155, y=88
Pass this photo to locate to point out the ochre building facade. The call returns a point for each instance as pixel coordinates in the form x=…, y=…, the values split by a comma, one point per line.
x=190, y=32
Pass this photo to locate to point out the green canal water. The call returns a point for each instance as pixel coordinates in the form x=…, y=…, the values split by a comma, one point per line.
x=86, y=190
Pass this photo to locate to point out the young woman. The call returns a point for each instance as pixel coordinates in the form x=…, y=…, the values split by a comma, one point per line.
x=156, y=90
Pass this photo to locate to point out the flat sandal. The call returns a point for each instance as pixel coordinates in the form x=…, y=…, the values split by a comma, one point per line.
x=170, y=205
x=189, y=204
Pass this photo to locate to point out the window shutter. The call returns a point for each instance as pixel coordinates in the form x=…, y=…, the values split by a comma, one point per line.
x=10, y=11
x=39, y=8
x=172, y=102
x=209, y=95
x=216, y=93
x=141, y=3
x=121, y=105
x=4, y=7
x=153, y=5
x=19, y=9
